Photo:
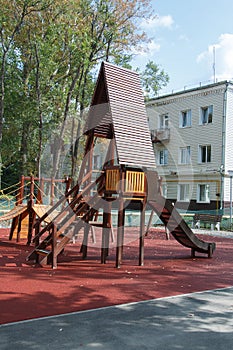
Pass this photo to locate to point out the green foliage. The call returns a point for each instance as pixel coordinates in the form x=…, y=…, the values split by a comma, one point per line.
x=50, y=52
x=153, y=79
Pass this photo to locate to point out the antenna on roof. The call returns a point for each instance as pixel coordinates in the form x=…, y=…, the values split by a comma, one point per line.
x=214, y=63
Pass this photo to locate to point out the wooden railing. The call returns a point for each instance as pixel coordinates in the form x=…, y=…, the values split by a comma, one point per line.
x=112, y=180
x=134, y=181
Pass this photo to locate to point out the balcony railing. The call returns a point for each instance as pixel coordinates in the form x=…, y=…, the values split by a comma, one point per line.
x=160, y=135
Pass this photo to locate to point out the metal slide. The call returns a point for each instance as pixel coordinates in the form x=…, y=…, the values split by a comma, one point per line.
x=178, y=227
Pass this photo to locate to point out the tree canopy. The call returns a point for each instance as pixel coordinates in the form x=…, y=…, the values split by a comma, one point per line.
x=50, y=51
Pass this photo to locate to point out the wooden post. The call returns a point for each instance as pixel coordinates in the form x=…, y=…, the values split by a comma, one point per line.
x=90, y=160
x=85, y=163
x=112, y=151
x=40, y=192
x=31, y=222
x=19, y=228
x=37, y=230
x=52, y=191
x=149, y=222
x=142, y=233
x=54, y=245
x=13, y=227
x=121, y=222
x=85, y=240
x=120, y=232
x=21, y=191
x=68, y=181
x=106, y=231
x=30, y=212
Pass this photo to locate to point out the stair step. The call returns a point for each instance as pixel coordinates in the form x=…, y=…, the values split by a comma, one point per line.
x=43, y=251
x=178, y=232
x=47, y=241
x=95, y=223
x=61, y=235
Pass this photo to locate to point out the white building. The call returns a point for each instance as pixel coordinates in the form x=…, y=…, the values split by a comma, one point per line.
x=192, y=134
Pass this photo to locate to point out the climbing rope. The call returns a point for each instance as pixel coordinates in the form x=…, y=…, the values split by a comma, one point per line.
x=59, y=190
x=9, y=198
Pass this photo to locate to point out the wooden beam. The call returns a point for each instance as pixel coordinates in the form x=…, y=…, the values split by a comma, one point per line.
x=142, y=233
x=121, y=221
x=120, y=233
x=106, y=231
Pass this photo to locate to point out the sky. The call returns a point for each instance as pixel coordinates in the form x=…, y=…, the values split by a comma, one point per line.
x=191, y=40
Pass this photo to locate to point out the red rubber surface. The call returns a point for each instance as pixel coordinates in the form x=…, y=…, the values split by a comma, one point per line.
x=29, y=291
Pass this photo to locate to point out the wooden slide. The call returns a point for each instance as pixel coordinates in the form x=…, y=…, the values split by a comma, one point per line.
x=178, y=227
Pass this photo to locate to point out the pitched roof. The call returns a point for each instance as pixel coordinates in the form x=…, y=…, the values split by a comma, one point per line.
x=118, y=110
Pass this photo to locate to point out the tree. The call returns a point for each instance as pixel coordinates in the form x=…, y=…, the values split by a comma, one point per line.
x=12, y=16
x=50, y=52
x=153, y=79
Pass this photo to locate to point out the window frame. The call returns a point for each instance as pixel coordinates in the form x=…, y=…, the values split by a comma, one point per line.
x=97, y=161
x=165, y=157
x=206, y=115
x=186, y=192
x=188, y=114
x=207, y=193
x=163, y=122
x=164, y=190
x=208, y=154
x=186, y=157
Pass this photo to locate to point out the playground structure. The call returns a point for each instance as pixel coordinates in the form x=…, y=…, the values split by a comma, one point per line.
x=29, y=204
x=128, y=177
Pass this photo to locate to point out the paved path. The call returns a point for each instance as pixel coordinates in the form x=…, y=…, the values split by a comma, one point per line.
x=197, y=321
x=223, y=234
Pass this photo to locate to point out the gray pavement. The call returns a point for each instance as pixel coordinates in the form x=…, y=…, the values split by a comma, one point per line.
x=194, y=321
x=223, y=234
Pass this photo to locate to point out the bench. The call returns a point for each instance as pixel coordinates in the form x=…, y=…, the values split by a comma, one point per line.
x=212, y=219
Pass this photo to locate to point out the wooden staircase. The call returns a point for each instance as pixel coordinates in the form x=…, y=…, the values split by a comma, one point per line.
x=51, y=239
x=48, y=250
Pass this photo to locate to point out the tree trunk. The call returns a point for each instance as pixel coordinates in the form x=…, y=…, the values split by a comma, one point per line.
x=38, y=94
x=2, y=95
x=58, y=149
x=24, y=148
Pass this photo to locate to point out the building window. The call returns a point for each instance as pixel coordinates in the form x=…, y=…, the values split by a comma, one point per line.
x=185, y=155
x=163, y=157
x=205, y=154
x=206, y=116
x=163, y=121
x=164, y=190
x=97, y=162
x=203, y=193
x=183, y=192
x=185, y=119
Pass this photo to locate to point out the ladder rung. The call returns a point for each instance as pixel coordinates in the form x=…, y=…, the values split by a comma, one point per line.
x=43, y=251
x=94, y=223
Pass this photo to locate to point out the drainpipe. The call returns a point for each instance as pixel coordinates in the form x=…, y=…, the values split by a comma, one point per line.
x=222, y=168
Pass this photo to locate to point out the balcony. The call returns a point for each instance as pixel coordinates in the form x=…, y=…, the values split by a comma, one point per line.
x=160, y=135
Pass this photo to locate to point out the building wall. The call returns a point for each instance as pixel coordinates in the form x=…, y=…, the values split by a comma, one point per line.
x=192, y=203
x=212, y=133
x=228, y=143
